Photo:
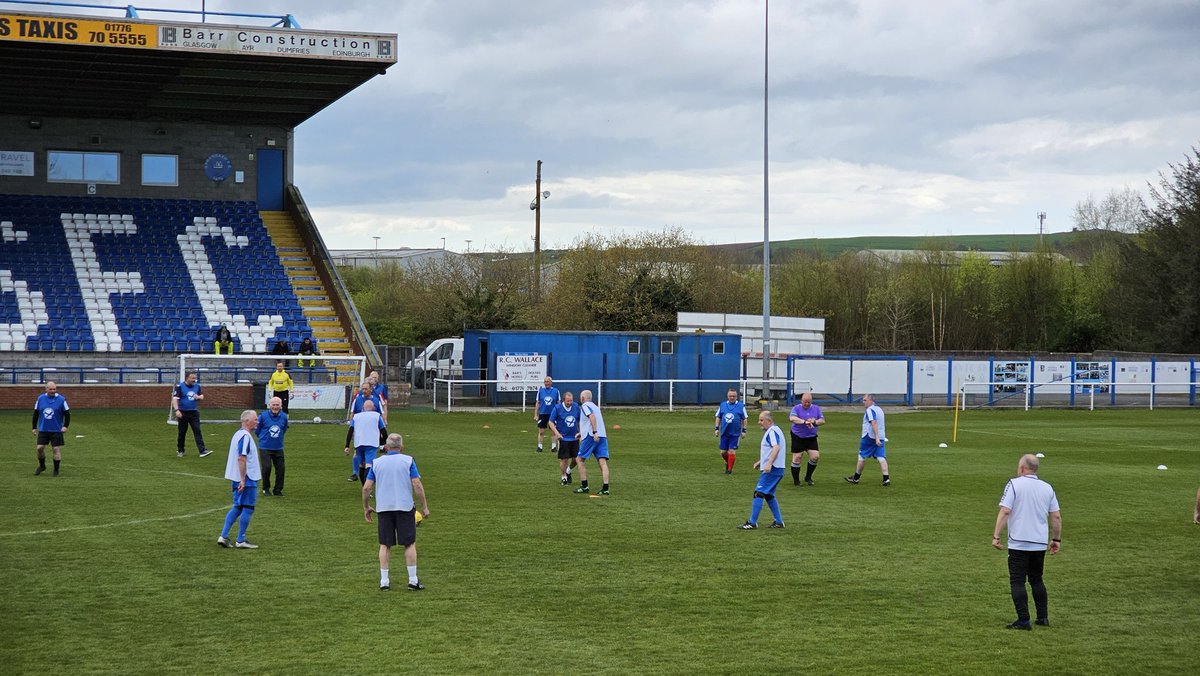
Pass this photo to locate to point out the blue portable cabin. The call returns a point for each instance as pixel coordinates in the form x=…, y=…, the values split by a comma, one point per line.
x=578, y=359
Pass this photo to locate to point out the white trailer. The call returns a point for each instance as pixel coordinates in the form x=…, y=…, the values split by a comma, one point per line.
x=789, y=336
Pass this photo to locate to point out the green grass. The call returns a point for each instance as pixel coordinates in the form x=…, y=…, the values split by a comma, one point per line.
x=525, y=577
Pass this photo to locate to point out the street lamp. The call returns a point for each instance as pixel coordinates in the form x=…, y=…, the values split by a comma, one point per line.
x=376, y=238
x=468, y=245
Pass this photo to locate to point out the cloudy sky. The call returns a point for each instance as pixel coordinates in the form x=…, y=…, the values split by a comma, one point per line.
x=886, y=117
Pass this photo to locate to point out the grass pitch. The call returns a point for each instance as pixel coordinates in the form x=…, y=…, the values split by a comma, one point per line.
x=113, y=567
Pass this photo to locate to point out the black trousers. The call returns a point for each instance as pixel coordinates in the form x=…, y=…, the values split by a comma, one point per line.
x=267, y=459
x=283, y=398
x=1023, y=565
x=190, y=419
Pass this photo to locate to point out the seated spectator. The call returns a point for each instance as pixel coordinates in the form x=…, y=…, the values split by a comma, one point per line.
x=223, y=340
x=307, y=348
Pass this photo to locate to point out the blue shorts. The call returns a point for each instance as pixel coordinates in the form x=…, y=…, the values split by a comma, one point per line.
x=769, y=481
x=729, y=442
x=249, y=495
x=868, y=449
x=589, y=447
x=365, y=455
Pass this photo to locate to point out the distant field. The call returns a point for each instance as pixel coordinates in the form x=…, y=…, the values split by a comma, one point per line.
x=833, y=246
x=113, y=567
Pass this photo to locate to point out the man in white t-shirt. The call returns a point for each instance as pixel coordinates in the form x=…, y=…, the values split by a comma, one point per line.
x=873, y=441
x=1026, y=505
x=395, y=480
x=771, y=463
x=593, y=441
x=243, y=471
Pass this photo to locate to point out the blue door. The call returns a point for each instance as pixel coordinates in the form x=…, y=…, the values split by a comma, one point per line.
x=270, y=179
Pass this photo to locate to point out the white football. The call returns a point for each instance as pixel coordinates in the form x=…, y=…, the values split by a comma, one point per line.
x=943, y=445
x=317, y=419
x=1162, y=466
x=1041, y=455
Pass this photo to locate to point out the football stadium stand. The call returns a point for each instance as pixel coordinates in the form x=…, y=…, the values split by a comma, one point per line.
x=146, y=194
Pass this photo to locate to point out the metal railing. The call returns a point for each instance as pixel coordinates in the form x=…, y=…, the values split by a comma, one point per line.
x=445, y=388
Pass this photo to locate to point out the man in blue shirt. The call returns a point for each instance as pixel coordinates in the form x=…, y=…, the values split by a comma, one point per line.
x=874, y=438
x=366, y=393
x=730, y=427
x=395, y=481
x=380, y=390
x=564, y=424
x=366, y=433
x=51, y=418
x=243, y=472
x=547, y=399
x=771, y=463
x=185, y=401
x=272, y=425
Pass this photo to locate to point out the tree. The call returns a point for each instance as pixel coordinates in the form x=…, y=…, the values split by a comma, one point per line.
x=641, y=282
x=1163, y=264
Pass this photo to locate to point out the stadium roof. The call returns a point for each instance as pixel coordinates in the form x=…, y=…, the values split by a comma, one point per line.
x=44, y=78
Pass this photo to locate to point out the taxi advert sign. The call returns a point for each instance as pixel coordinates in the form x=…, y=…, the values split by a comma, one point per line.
x=76, y=31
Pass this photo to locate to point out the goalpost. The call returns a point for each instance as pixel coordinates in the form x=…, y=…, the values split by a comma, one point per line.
x=322, y=392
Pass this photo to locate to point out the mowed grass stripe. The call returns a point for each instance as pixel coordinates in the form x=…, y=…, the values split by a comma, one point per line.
x=526, y=577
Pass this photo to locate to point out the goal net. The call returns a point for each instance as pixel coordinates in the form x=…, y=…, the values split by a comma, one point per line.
x=323, y=385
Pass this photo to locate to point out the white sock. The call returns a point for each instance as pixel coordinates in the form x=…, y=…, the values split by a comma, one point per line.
x=412, y=574
x=539, y=445
x=383, y=577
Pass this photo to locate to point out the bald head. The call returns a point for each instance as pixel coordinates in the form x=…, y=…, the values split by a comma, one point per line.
x=1029, y=463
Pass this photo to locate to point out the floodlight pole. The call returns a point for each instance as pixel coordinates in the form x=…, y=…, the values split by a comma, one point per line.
x=766, y=349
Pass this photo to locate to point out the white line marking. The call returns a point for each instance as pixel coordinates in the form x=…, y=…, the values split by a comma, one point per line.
x=115, y=525
x=1040, y=437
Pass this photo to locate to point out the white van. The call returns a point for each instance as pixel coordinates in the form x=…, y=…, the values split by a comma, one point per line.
x=443, y=358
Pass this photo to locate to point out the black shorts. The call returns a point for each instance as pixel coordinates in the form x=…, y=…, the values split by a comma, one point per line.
x=397, y=528
x=801, y=444
x=568, y=448
x=50, y=439
x=543, y=420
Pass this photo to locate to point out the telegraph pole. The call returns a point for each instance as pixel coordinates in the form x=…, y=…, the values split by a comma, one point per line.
x=537, y=235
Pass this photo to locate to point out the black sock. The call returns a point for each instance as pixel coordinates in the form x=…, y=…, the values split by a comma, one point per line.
x=857, y=475
x=885, y=477
x=583, y=484
x=812, y=465
x=42, y=463
x=362, y=474
x=604, y=487
x=796, y=473
x=56, y=465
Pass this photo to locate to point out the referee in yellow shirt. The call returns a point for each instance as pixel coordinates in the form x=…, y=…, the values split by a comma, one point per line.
x=280, y=385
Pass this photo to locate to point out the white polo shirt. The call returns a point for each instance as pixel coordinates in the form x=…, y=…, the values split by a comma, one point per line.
x=393, y=474
x=242, y=445
x=1031, y=501
x=585, y=424
x=873, y=412
x=772, y=437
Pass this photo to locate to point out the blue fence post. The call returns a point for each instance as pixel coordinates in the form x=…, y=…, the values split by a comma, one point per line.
x=1029, y=380
x=1153, y=377
x=991, y=379
x=1071, y=399
x=950, y=381
x=910, y=381
x=1112, y=379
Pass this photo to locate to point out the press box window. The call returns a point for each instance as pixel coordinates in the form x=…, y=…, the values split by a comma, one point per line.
x=667, y=347
x=160, y=170
x=74, y=167
x=718, y=347
x=633, y=347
